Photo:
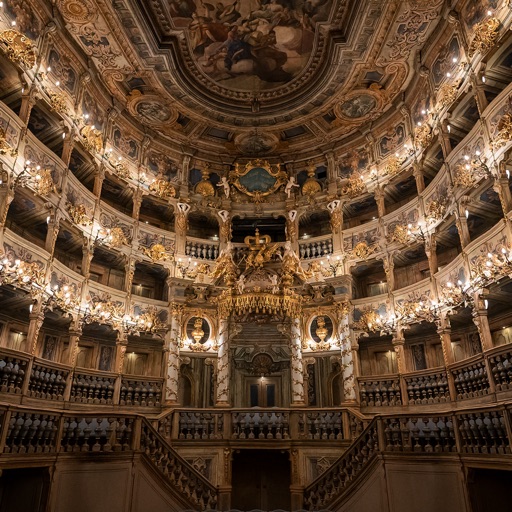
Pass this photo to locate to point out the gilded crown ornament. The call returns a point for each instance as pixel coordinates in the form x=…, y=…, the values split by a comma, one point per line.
x=260, y=250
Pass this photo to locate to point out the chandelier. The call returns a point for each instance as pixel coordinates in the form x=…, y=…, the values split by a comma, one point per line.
x=65, y=297
x=104, y=312
x=113, y=237
x=369, y=321
x=148, y=322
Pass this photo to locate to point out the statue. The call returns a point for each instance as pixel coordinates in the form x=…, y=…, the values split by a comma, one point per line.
x=240, y=284
x=289, y=186
x=225, y=185
x=291, y=265
x=273, y=282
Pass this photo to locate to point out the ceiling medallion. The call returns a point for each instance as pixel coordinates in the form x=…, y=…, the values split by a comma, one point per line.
x=360, y=105
x=151, y=110
x=258, y=179
x=79, y=11
x=255, y=144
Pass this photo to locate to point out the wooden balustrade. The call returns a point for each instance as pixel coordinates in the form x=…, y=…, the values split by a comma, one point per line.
x=201, y=249
x=427, y=387
x=471, y=379
x=319, y=247
x=29, y=432
x=35, y=378
x=463, y=433
x=380, y=392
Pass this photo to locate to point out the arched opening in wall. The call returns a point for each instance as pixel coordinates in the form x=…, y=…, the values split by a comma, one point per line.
x=246, y=226
x=369, y=279
x=400, y=191
x=411, y=265
x=313, y=224
x=27, y=217
x=150, y=281
x=448, y=245
x=117, y=194
x=108, y=267
x=359, y=211
x=46, y=126
x=10, y=85
x=83, y=167
x=69, y=246
x=157, y=212
x=203, y=225
x=484, y=212
x=185, y=390
x=261, y=480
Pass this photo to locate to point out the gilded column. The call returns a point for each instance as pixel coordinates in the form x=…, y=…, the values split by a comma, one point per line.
x=223, y=370
x=173, y=355
x=297, y=367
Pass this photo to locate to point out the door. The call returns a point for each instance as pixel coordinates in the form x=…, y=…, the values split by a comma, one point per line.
x=261, y=480
x=262, y=392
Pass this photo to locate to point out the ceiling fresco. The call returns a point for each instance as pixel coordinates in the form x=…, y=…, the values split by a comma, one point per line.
x=251, y=45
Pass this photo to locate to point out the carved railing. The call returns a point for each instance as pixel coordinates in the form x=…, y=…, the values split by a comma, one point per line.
x=200, y=249
x=500, y=365
x=260, y=425
x=140, y=392
x=22, y=375
x=430, y=387
x=315, y=248
x=250, y=425
x=465, y=433
x=471, y=380
x=321, y=425
x=380, y=392
x=329, y=486
x=29, y=432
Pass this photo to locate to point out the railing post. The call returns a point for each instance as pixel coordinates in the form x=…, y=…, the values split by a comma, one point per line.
x=381, y=435
x=294, y=424
x=228, y=426
x=403, y=390
x=508, y=425
x=27, y=377
x=175, y=425
x=297, y=497
x=117, y=390
x=345, y=424
x=69, y=385
x=490, y=376
x=60, y=431
x=451, y=385
x=456, y=433
x=5, y=427
x=137, y=434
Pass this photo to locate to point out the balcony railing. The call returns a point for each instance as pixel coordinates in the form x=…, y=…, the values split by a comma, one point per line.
x=480, y=378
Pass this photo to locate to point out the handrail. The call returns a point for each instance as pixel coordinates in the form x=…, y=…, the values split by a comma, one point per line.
x=27, y=431
x=481, y=430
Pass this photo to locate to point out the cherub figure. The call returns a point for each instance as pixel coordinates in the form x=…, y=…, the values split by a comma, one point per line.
x=289, y=186
x=225, y=185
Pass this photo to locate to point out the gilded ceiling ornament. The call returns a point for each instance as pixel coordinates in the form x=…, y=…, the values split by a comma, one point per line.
x=22, y=273
x=156, y=253
x=486, y=34
x=41, y=180
x=360, y=105
x=79, y=214
x=435, y=210
x=401, y=234
x=150, y=110
x=311, y=186
x=58, y=102
x=447, y=93
x=92, y=139
x=5, y=147
x=162, y=188
x=18, y=48
x=423, y=135
x=362, y=250
x=205, y=186
x=412, y=311
x=504, y=131
x=148, y=322
x=354, y=186
x=393, y=165
x=79, y=11
x=258, y=179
